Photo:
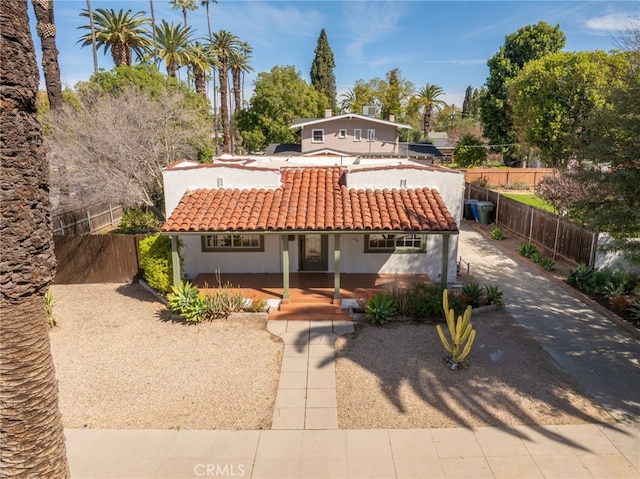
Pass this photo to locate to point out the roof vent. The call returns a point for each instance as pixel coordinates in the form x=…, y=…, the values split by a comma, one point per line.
x=220, y=182
x=403, y=183
x=369, y=110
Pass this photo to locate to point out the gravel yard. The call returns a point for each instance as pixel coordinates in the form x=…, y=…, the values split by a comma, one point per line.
x=393, y=376
x=122, y=362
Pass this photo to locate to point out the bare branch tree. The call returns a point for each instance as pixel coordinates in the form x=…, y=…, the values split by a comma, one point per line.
x=114, y=148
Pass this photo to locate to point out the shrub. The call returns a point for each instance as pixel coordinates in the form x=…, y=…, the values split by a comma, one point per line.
x=517, y=185
x=137, y=221
x=547, y=264
x=580, y=276
x=257, y=305
x=155, y=261
x=481, y=182
x=493, y=295
x=426, y=301
x=402, y=299
x=527, y=250
x=187, y=301
x=473, y=294
x=619, y=303
x=380, y=308
x=497, y=234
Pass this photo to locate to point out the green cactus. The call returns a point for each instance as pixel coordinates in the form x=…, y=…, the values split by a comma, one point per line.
x=460, y=331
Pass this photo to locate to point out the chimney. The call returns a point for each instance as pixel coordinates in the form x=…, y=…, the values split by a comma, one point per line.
x=392, y=118
x=328, y=113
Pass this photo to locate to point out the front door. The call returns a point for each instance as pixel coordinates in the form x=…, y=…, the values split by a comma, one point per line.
x=314, y=252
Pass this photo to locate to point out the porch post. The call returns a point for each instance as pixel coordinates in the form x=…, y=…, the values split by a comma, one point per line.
x=285, y=266
x=444, y=270
x=336, y=267
x=175, y=261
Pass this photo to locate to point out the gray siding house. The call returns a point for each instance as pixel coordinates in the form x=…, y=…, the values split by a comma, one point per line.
x=349, y=134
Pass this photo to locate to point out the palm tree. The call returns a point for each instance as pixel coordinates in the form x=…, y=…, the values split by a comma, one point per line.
x=201, y=65
x=348, y=101
x=33, y=443
x=239, y=64
x=205, y=3
x=173, y=43
x=183, y=5
x=46, y=29
x=223, y=43
x=121, y=31
x=153, y=31
x=427, y=96
x=94, y=47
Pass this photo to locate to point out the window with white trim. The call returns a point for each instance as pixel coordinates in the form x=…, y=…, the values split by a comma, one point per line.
x=232, y=242
x=371, y=134
x=357, y=135
x=342, y=133
x=317, y=136
x=390, y=243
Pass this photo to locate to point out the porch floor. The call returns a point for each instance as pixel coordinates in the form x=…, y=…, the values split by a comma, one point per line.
x=307, y=287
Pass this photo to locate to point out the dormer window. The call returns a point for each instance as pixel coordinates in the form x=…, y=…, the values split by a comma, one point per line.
x=342, y=133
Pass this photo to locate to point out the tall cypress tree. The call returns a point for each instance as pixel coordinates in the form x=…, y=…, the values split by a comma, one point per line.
x=322, y=77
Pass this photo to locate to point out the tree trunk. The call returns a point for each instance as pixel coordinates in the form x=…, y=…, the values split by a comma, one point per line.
x=172, y=67
x=224, y=107
x=200, y=81
x=33, y=443
x=121, y=54
x=237, y=136
x=153, y=32
x=94, y=47
x=46, y=29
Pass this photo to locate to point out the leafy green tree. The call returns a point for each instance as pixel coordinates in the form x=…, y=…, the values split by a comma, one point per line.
x=360, y=95
x=471, y=103
x=613, y=202
x=121, y=31
x=280, y=97
x=173, y=46
x=553, y=98
x=322, y=76
x=528, y=43
x=469, y=151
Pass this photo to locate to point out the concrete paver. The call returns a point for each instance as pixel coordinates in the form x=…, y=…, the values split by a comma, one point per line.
x=600, y=356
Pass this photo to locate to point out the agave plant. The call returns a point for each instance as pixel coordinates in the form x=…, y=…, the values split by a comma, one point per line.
x=380, y=308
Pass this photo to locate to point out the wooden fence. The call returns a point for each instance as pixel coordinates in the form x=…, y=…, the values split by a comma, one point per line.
x=89, y=221
x=505, y=176
x=86, y=259
x=553, y=235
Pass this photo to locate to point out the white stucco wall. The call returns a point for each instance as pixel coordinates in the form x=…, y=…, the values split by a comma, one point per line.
x=353, y=258
x=605, y=258
x=177, y=181
x=449, y=183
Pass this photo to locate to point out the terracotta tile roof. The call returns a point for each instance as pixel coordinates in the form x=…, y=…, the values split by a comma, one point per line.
x=310, y=199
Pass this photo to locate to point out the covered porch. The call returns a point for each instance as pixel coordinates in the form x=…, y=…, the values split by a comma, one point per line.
x=308, y=287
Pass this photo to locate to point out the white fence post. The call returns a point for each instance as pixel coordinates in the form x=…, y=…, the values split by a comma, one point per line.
x=555, y=242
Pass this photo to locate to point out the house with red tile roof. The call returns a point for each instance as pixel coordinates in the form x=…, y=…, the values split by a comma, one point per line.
x=338, y=215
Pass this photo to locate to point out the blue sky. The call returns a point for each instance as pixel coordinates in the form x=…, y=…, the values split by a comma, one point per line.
x=446, y=43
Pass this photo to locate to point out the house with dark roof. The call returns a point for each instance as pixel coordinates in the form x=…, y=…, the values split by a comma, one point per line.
x=352, y=135
x=338, y=215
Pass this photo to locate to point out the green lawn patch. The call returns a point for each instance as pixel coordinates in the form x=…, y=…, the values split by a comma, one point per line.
x=531, y=200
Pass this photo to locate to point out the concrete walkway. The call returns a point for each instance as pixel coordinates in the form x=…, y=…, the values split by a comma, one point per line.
x=305, y=441
x=306, y=396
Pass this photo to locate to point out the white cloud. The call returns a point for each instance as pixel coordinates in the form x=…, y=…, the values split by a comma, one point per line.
x=370, y=23
x=609, y=22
